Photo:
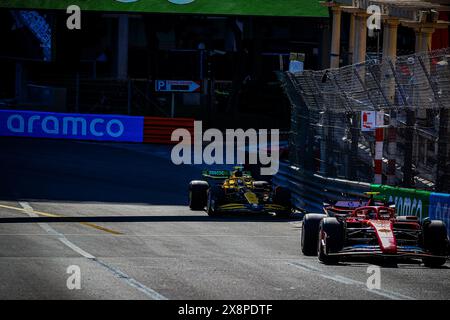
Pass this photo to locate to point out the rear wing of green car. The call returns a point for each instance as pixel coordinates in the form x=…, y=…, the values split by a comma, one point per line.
x=221, y=174
x=216, y=174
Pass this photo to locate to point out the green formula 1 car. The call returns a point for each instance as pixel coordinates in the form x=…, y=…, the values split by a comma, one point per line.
x=225, y=191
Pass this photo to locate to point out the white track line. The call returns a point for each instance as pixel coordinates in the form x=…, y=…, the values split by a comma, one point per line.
x=152, y=294
x=347, y=281
x=149, y=235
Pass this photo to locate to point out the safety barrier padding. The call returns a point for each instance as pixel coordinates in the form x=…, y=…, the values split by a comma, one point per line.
x=95, y=127
x=408, y=202
x=440, y=208
x=309, y=191
x=159, y=130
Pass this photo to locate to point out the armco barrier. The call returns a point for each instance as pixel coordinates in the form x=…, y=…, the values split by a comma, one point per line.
x=309, y=191
x=440, y=208
x=159, y=130
x=408, y=202
x=35, y=124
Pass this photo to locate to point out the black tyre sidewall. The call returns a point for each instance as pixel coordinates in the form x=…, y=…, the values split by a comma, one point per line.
x=198, y=195
x=334, y=241
x=435, y=241
x=212, y=211
x=310, y=233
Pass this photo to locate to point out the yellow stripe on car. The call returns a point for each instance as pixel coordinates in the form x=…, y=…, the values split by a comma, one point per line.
x=251, y=198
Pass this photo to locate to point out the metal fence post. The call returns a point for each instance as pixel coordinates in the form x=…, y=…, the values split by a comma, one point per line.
x=129, y=96
x=77, y=92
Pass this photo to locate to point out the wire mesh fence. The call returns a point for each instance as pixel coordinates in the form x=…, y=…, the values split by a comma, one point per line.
x=81, y=93
x=413, y=94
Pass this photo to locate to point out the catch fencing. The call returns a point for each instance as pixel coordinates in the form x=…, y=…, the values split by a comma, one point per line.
x=310, y=191
x=413, y=94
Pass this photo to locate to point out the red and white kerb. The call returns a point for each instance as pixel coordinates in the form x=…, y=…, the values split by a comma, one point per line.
x=379, y=139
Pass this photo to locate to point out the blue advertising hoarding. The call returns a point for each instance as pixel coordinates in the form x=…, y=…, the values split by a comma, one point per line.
x=37, y=124
x=440, y=208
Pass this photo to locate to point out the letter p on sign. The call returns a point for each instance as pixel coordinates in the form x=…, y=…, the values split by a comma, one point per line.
x=161, y=85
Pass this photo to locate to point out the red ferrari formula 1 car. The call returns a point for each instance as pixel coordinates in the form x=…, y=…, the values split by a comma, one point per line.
x=374, y=230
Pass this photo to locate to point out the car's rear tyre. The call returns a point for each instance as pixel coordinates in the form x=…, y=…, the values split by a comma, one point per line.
x=310, y=233
x=331, y=240
x=435, y=241
x=282, y=197
x=198, y=194
x=212, y=201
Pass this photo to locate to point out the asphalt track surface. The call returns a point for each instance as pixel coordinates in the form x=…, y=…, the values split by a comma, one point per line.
x=119, y=213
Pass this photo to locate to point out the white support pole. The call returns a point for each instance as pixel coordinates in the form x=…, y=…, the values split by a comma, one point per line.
x=379, y=145
x=379, y=137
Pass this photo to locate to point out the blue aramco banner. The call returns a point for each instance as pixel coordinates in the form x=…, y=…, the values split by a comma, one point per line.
x=71, y=126
x=440, y=208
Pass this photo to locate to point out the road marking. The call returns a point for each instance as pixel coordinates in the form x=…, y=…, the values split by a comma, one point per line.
x=149, y=235
x=152, y=294
x=132, y=282
x=305, y=267
x=348, y=281
x=92, y=225
x=29, y=210
x=197, y=235
x=26, y=206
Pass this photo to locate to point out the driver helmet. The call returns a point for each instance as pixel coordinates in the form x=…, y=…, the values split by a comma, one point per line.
x=238, y=173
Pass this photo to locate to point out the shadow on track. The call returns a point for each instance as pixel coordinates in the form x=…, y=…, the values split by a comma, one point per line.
x=72, y=171
x=124, y=219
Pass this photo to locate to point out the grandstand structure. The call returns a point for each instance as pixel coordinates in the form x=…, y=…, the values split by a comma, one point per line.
x=427, y=19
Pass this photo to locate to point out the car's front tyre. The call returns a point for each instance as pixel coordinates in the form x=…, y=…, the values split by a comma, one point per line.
x=435, y=241
x=310, y=233
x=331, y=240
